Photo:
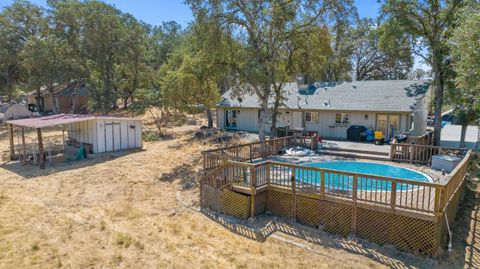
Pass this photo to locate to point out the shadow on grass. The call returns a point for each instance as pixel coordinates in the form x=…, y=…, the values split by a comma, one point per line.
x=30, y=171
x=265, y=226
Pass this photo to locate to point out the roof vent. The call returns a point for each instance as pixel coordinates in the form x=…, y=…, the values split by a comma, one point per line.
x=326, y=103
x=354, y=86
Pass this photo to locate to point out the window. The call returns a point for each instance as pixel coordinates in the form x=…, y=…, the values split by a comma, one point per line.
x=311, y=117
x=342, y=118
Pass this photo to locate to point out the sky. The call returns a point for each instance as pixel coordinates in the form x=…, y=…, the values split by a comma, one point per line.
x=157, y=11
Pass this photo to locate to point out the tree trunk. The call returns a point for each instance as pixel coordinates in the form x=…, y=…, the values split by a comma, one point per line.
x=125, y=103
x=276, y=104
x=438, y=83
x=208, y=111
x=463, y=134
x=261, y=119
x=38, y=100
x=75, y=97
x=51, y=92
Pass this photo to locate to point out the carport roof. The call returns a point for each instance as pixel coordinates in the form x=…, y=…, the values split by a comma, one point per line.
x=60, y=119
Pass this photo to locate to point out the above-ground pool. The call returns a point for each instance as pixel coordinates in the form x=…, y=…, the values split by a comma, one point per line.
x=372, y=182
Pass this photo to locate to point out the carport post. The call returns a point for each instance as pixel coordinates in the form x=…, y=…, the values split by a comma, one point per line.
x=12, y=144
x=40, y=148
x=24, y=158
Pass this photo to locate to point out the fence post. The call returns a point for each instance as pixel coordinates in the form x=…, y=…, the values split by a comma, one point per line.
x=294, y=198
x=250, y=146
x=393, y=147
x=202, y=177
x=393, y=196
x=322, y=184
x=354, y=204
x=253, y=184
x=411, y=153
x=437, y=210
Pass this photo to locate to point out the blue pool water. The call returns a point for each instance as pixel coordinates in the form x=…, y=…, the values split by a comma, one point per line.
x=373, y=182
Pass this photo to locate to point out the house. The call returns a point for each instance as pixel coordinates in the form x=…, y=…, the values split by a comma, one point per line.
x=329, y=109
x=65, y=96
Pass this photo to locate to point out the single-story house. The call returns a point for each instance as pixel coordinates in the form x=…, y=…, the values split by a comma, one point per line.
x=329, y=109
x=64, y=96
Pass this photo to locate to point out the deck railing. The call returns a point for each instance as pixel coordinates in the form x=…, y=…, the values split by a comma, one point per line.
x=420, y=154
x=248, y=152
x=395, y=193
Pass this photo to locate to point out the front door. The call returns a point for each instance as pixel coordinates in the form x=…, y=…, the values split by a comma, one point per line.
x=230, y=119
x=382, y=124
x=393, y=125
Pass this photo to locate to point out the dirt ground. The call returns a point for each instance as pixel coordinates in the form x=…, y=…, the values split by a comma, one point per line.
x=137, y=209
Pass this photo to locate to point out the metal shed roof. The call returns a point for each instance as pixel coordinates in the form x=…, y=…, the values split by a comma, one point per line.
x=61, y=119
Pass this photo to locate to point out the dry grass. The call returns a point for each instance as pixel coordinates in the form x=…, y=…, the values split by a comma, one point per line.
x=121, y=211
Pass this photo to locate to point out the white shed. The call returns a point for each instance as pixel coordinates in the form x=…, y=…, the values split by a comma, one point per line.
x=98, y=133
x=108, y=134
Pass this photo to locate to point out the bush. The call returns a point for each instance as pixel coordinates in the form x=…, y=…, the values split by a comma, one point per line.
x=151, y=136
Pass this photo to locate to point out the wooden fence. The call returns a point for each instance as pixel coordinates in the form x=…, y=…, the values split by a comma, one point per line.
x=248, y=152
x=408, y=214
x=420, y=154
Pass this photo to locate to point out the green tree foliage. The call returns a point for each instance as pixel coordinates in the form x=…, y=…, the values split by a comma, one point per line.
x=465, y=49
x=18, y=23
x=265, y=33
x=428, y=25
x=379, y=54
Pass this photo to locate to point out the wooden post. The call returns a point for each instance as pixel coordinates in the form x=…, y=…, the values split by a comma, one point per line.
x=253, y=184
x=437, y=210
x=24, y=158
x=392, y=150
x=40, y=149
x=411, y=153
x=393, y=196
x=354, y=204
x=294, y=198
x=12, y=144
x=250, y=152
x=322, y=184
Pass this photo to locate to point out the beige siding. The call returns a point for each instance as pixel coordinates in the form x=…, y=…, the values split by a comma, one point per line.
x=220, y=118
x=247, y=120
x=420, y=119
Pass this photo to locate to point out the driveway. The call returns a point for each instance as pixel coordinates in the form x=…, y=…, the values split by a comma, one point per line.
x=451, y=136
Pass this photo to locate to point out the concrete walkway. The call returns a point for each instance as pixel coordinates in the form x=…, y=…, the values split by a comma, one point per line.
x=360, y=146
x=451, y=136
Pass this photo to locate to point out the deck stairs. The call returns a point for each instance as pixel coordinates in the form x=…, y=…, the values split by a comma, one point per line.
x=355, y=153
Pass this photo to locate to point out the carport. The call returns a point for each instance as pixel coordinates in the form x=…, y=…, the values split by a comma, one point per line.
x=90, y=134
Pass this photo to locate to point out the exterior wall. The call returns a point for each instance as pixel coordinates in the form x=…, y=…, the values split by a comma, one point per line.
x=220, y=118
x=420, y=116
x=64, y=103
x=247, y=120
x=108, y=135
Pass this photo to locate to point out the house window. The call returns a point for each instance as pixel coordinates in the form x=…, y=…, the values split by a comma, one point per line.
x=311, y=117
x=342, y=118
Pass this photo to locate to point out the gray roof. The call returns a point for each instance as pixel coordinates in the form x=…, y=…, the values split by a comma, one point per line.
x=378, y=95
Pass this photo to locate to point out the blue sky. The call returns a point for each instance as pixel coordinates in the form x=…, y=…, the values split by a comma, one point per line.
x=156, y=11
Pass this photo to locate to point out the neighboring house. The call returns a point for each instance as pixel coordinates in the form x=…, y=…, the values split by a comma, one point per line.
x=64, y=95
x=331, y=108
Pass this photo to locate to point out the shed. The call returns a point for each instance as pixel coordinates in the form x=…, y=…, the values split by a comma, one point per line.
x=98, y=133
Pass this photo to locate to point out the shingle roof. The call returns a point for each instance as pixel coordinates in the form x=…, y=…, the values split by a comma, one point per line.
x=378, y=95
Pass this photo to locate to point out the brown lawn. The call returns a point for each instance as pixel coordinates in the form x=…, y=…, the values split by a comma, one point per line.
x=131, y=211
